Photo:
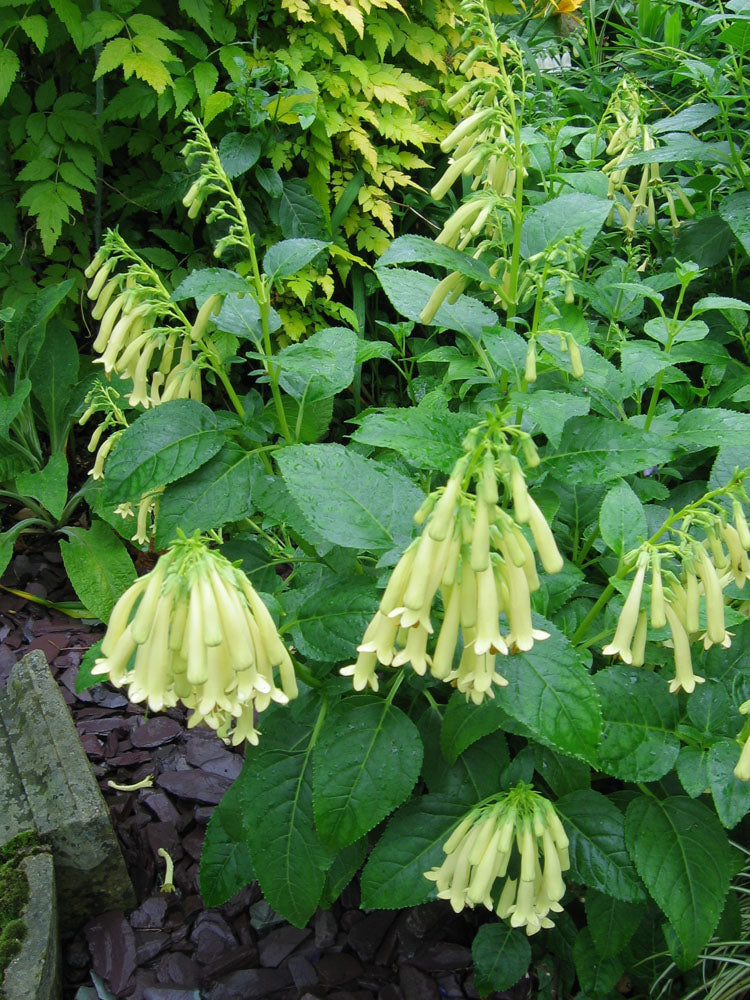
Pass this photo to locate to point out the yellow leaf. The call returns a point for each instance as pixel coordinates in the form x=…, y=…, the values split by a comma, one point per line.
x=147, y=69
x=215, y=104
x=359, y=141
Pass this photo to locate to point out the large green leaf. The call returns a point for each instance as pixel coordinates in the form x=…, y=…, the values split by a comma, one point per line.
x=692, y=770
x=501, y=956
x=622, y=523
x=551, y=410
x=421, y=250
x=552, y=693
x=238, y=152
x=412, y=844
x=428, y=436
x=735, y=211
x=598, y=855
x=162, y=445
x=289, y=860
x=714, y=427
x=352, y=501
x=53, y=375
x=11, y=406
x=24, y=333
x=320, y=367
x=409, y=290
x=731, y=796
x=597, y=450
x=49, y=486
x=612, y=922
x=217, y=492
x=597, y=974
x=563, y=217
x=199, y=285
x=367, y=760
x=98, y=566
x=240, y=315
x=225, y=857
x=640, y=718
x=331, y=619
x=464, y=723
x=286, y=258
x=684, y=857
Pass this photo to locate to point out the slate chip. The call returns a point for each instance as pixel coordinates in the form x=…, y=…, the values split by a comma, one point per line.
x=112, y=946
x=155, y=732
x=194, y=785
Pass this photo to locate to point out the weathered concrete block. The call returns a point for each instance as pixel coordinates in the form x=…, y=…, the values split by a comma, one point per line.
x=34, y=974
x=15, y=813
x=66, y=805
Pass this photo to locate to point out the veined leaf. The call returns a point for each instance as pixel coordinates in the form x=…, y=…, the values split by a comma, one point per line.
x=97, y=565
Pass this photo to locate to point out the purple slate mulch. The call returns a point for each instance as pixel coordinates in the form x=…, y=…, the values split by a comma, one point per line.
x=172, y=947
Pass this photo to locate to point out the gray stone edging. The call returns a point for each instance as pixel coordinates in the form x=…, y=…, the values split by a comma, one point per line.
x=34, y=974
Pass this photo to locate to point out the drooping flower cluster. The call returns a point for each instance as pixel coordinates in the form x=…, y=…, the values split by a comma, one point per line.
x=691, y=602
x=144, y=335
x=506, y=835
x=201, y=635
x=632, y=135
x=475, y=554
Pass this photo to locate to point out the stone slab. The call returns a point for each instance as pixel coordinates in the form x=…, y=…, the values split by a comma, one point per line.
x=34, y=974
x=66, y=805
x=15, y=812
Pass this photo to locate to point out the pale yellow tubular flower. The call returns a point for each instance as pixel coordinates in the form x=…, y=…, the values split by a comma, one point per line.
x=244, y=728
x=127, y=360
x=480, y=539
x=738, y=559
x=626, y=624
x=529, y=562
x=530, y=369
x=194, y=649
x=445, y=648
x=179, y=621
x=120, y=614
x=150, y=679
x=576, y=364
x=105, y=298
x=488, y=637
x=506, y=902
x=740, y=523
x=543, y=539
x=139, y=395
x=522, y=632
x=212, y=633
x=456, y=892
x=424, y=582
x=220, y=676
x=231, y=622
x=100, y=278
x=415, y=651
x=714, y=597
x=692, y=600
x=210, y=306
x=684, y=678
x=719, y=556
x=554, y=886
x=658, y=615
x=117, y=339
x=485, y=872
x=520, y=494
x=393, y=595
x=742, y=767
x=109, y=318
x=362, y=672
x=638, y=647
x=97, y=471
x=380, y=638
x=116, y=662
x=140, y=627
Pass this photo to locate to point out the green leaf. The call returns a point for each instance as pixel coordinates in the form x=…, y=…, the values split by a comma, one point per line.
x=238, y=153
x=352, y=501
x=714, y=427
x=9, y=67
x=206, y=76
x=209, y=281
x=25, y=333
x=731, y=796
x=53, y=375
x=49, y=486
x=551, y=410
x=622, y=522
x=563, y=774
x=735, y=211
x=692, y=770
x=597, y=974
x=332, y=617
x=98, y=566
x=711, y=711
x=679, y=147
x=345, y=866
x=464, y=724
x=113, y=55
x=720, y=302
x=214, y=494
x=687, y=120
x=215, y=104
x=429, y=436
x=596, y=449
x=240, y=315
x=409, y=290
x=286, y=258
x=289, y=860
x=300, y=213
x=162, y=445
x=412, y=844
x=507, y=350
x=11, y=406
x=640, y=717
x=612, y=922
x=501, y=956
x=683, y=855
x=225, y=857
x=562, y=218
x=680, y=331
x=35, y=26
x=552, y=693
x=84, y=678
x=7, y=541
x=366, y=762
x=421, y=250
x=476, y=774
x=641, y=362
x=598, y=853
x=320, y=367
x=707, y=241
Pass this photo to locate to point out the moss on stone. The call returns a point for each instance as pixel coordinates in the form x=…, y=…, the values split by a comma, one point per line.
x=14, y=894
